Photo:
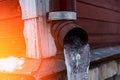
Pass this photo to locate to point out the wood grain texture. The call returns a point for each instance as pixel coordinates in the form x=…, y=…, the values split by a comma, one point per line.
x=46, y=40
x=94, y=74
x=9, y=9
x=12, y=41
x=101, y=20
x=99, y=27
x=106, y=4
x=92, y=12
x=31, y=38
x=108, y=70
x=29, y=8
x=39, y=41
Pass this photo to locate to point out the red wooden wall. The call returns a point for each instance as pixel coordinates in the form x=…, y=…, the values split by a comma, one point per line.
x=101, y=19
x=11, y=29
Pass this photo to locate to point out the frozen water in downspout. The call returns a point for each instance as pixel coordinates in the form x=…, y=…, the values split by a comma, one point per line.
x=77, y=58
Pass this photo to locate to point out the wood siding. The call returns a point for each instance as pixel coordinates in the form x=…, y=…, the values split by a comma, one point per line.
x=39, y=41
x=101, y=19
x=11, y=29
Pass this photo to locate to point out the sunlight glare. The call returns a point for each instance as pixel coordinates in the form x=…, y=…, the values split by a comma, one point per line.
x=11, y=64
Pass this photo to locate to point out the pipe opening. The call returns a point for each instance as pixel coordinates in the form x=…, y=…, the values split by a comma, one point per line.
x=62, y=31
x=76, y=33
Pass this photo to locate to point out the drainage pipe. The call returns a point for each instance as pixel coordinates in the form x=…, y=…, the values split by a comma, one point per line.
x=62, y=10
x=62, y=14
x=62, y=28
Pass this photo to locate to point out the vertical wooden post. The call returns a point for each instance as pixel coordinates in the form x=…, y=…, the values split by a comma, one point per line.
x=48, y=47
x=39, y=42
x=29, y=15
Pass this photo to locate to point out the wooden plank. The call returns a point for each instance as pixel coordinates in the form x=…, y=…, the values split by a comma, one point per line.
x=119, y=68
x=97, y=41
x=105, y=54
x=43, y=7
x=8, y=76
x=97, y=13
x=107, y=70
x=12, y=46
x=29, y=14
x=29, y=8
x=59, y=76
x=101, y=33
x=16, y=42
x=13, y=28
x=93, y=74
x=47, y=44
x=108, y=4
x=104, y=38
x=98, y=27
x=50, y=66
x=31, y=38
x=11, y=11
x=39, y=40
x=27, y=67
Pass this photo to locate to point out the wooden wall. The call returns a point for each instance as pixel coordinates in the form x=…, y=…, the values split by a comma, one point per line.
x=101, y=19
x=39, y=41
x=11, y=29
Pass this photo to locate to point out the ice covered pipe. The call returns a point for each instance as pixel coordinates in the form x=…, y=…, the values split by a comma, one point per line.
x=70, y=38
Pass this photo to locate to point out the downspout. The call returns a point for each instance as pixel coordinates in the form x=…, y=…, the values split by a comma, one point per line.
x=62, y=15
x=66, y=32
x=62, y=10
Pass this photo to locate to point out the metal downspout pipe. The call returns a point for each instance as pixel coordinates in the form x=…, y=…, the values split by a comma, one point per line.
x=62, y=15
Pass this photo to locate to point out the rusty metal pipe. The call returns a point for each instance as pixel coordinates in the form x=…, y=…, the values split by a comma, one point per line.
x=62, y=13
x=64, y=28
